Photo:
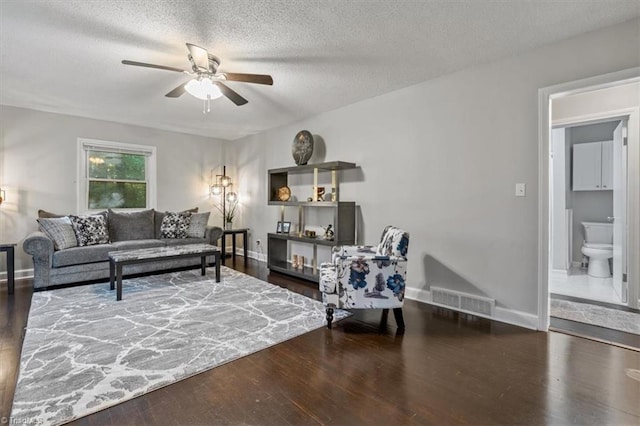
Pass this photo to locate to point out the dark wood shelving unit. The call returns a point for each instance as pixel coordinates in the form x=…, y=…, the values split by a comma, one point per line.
x=344, y=215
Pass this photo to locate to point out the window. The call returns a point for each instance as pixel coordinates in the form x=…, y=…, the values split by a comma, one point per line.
x=115, y=175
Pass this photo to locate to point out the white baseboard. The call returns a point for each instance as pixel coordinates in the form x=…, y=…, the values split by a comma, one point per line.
x=560, y=273
x=509, y=316
x=23, y=273
x=251, y=254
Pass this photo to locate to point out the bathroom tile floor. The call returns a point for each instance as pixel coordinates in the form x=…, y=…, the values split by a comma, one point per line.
x=579, y=284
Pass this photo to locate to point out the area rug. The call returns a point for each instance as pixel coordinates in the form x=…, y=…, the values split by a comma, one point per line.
x=84, y=352
x=601, y=316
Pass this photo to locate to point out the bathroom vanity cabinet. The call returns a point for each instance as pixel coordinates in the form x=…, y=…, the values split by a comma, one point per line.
x=343, y=216
x=593, y=166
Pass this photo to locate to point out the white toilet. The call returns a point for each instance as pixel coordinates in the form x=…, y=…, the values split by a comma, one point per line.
x=598, y=246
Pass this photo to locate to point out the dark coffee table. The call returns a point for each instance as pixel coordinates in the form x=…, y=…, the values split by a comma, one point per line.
x=117, y=259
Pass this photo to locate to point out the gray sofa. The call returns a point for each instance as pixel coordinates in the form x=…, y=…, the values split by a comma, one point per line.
x=52, y=267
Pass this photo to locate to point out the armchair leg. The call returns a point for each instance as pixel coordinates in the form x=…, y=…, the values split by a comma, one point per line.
x=329, y=317
x=397, y=313
x=383, y=319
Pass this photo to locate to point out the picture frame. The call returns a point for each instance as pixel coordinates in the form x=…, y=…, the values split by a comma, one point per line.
x=286, y=227
x=279, y=227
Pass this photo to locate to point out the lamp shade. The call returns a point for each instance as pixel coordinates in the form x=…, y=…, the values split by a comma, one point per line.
x=203, y=89
x=216, y=189
x=232, y=196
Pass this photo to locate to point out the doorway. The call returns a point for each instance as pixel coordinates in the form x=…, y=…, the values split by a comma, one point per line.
x=603, y=102
x=588, y=179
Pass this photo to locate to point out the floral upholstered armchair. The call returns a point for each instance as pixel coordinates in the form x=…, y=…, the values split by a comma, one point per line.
x=367, y=277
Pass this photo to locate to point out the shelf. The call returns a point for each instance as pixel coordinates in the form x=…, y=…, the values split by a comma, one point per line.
x=332, y=165
x=285, y=268
x=310, y=203
x=293, y=237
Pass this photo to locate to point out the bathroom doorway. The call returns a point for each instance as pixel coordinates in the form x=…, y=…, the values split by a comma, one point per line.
x=588, y=177
x=589, y=252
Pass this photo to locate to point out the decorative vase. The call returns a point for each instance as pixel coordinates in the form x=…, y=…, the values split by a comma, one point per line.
x=228, y=225
x=302, y=147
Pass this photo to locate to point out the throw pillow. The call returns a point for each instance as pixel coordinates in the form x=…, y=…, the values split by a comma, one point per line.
x=160, y=215
x=175, y=225
x=198, y=225
x=90, y=230
x=131, y=226
x=59, y=229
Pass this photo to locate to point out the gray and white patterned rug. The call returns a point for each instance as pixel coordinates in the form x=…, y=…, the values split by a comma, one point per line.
x=84, y=352
x=601, y=316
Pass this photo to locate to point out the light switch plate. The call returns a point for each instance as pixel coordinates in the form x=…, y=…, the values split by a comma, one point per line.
x=521, y=189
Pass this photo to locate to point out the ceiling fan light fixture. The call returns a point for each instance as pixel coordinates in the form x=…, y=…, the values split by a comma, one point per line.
x=203, y=88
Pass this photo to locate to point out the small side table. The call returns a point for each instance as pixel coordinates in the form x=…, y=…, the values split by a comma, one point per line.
x=233, y=233
x=10, y=250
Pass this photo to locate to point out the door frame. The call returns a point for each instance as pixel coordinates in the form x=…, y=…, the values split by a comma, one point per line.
x=545, y=96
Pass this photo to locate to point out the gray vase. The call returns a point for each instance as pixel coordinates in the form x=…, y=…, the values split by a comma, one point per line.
x=302, y=147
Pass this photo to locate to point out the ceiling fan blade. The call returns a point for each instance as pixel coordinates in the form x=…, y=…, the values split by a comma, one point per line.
x=231, y=94
x=160, y=67
x=250, y=78
x=200, y=56
x=177, y=92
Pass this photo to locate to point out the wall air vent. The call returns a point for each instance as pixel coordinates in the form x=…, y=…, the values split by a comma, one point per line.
x=463, y=301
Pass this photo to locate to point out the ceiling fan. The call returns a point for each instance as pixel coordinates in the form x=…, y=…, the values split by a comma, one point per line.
x=207, y=82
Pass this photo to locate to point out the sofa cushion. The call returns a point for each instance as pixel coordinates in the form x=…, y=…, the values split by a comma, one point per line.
x=59, y=229
x=160, y=215
x=131, y=226
x=184, y=241
x=90, y=230
x=80, y=255
x=175, y=225
x=137, y=244
x=198, y=224
x=43, y=214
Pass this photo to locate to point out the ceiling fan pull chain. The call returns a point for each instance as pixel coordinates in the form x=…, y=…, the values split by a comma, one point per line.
x=208, y=103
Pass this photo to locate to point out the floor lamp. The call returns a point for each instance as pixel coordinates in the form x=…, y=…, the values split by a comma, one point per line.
x=222, y=186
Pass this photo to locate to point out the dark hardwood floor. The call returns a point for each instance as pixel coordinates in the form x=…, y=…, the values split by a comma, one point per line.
x=447, y=368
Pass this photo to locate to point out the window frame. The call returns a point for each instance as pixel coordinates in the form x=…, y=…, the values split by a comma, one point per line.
x=85, y=145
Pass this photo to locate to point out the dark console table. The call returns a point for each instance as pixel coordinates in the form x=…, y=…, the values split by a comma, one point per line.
x=10, y=250
x=233, y=233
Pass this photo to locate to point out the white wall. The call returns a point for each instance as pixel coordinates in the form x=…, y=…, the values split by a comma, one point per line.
x=38, y=157
x=441, y=159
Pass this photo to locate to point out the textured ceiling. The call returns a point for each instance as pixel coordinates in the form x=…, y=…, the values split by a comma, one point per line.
x=64, y=56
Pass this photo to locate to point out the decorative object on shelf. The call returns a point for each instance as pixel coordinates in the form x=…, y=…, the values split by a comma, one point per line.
x=302, y=147
x=222, y=186
x=328, y=232
x=320, y=193
x=286, y=227
x=309, y=233
x=284, y=193
x=334, y=195
x=279, y=228
x=310, y=199
x=294, y=261
x=300, y=262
